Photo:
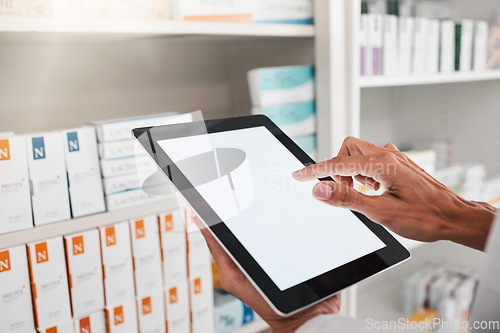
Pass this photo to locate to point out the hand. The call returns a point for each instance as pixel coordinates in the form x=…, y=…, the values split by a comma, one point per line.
x=235, y=282
x=414, y=205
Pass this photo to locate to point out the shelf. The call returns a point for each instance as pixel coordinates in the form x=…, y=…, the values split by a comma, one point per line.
x=255, y=327
x=397, y=81
x=153, y=27
x=84, y=223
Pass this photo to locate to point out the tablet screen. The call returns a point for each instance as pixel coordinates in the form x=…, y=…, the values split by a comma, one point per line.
x=246, y=177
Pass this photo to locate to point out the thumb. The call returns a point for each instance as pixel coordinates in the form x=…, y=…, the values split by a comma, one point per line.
x=342, y=195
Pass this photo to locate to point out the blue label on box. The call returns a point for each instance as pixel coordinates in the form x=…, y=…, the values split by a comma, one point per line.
x=73, y=144
x=38, y=148
x=306, y=21
x=285, y=77
x=247, y=314
x=290, y=113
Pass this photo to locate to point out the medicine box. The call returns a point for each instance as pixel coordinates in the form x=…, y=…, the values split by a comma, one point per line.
x=49, y=183
x=202, y=303
x=104, y=10
x=177, y=311
x=160, y=10
x=283, y=11
x=151, y=313
x=120, y=129
x=84, y=173
x=129, y=165
x=119, y=149
x=297, y=119
x=447, y=55
x=480, y=49
x=39, y=8
x=117, y=264
x=122, y=318
x=406, y=42
x=464, y=37
x=281, y=85
x=121, y=183
x=93, y=323
x=239, y=11
x=13, y=8
x=49, y=282
x=173, y=247
x=390, y=45
x=16, y=315
x=146, y=255
x=230, y=312
x=15, y=195
x=199, y=258
x=128, y=199
x=83, y=253
x=73, y=9
x=376, y=36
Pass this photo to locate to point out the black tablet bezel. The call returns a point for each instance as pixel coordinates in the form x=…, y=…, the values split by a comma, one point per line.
x=299, y=296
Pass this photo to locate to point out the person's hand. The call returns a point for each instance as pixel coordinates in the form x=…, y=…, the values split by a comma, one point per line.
x=414, y=205
x=235, y=282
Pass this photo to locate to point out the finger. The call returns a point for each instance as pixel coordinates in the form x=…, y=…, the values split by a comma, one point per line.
x=341, y=166
x=391, y=146
x=340, y=195
x=353, y=146
x=220, y=256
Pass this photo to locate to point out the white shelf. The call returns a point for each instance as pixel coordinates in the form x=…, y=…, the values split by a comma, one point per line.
x=153, y=27
x=255, y=327
x=84, y=223
x=396, y=81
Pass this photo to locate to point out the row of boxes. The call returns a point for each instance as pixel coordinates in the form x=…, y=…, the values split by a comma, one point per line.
x=287, y=96
x=147, y=275
x=243, y=11
x=51, y=177
x=391, y=45
x=40, y=173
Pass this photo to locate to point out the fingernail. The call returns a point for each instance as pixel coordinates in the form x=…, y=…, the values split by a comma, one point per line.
x=322, y=191
x=297, y=173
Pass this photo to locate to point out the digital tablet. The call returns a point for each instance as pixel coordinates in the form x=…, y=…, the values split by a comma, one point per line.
x=236, y=174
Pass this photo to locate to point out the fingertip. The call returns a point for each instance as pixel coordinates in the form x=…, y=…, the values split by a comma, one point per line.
x=322, y=191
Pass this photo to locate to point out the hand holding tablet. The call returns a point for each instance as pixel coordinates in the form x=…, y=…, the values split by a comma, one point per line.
x=294, y=250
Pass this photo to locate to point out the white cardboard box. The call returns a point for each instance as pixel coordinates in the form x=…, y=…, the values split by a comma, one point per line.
x=202, y=303
x=49, y=282
x=199, y=258
x=120, y=129
x=73, y=9
x=120, y=149
x=104, y=10
x=390, y=48
x=128, y=199
x=363, y=45
x=432, y=57
x=84, y=173
x=281, y=85
x=133, y=9
x=39, y=8
x=219, y=11
x=126, y=166
x=160, y=10
x=420, y=50
x=147, y=255
x=447, y=58
x=122, y=318
x=83, y=253
x=283, y=11
x=13, y=8
x=151, y=313
x=93, y=323
x=117, y=264
x=406, y=34
x=122, y=183
x=173, y=246
x=16, y=315
x=50, y=197
x=480, y=52
x=177, y=309
x=466, y=27
x=15, y=195
x=65, y=327
x=376, y=36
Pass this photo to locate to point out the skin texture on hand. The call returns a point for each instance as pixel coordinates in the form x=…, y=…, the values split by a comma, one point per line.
x=414, y=205
x=236, y=283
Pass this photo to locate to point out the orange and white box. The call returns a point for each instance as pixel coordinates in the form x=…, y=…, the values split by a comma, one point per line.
x=14, y=185
x=16, y=314
x=66, y=327
x=160, y=10
x=151, y=313
x=239, y=11
x=147, y=255
x=173, y=247
x=49, y=282
x=93, y=323
x=199, y=258
x=83, y=253
x=122, y=318
x=117, y=264
x=202, y=303
x=177, y=308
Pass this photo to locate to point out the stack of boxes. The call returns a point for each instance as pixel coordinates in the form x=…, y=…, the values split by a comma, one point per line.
x=287, y=96
x=395, y=42
x=125, y=165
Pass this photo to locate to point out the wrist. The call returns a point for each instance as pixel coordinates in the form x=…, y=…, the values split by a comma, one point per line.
x=470, y=223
